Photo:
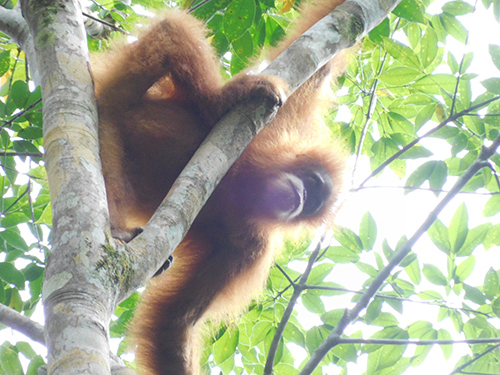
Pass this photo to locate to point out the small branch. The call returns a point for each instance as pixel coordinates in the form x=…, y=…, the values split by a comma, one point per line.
x=21, y=113
x=16, y=201
x=455, y=95
x=22, y=324
x=292, y=283
x=298, y=288
x=495, y=174
x=423, y=189
x=334, y=338
x=348, y=340
x=460, y=368
x=371, y=108
x=395, y=298
x=21, y=154
x=98, y=28
x=418, y=139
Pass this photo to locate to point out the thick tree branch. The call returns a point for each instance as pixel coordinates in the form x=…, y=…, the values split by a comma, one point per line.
x=13, y=24
x=340, y=29
x=78, y=290
x=21, y=323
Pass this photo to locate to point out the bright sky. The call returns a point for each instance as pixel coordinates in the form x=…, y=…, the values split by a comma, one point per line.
x=396, y=214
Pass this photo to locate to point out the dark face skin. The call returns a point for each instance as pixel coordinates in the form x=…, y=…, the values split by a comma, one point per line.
x=290, y=195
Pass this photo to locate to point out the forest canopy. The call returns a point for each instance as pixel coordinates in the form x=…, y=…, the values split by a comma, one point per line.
x=417, y=239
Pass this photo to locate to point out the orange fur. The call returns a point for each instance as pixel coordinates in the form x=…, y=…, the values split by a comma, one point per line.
x=158, y=98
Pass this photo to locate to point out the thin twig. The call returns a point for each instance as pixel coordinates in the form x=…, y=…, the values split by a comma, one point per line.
x=418, y=139
x=334, y=337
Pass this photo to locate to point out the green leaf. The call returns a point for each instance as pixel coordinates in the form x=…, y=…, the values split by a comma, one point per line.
x=243, y=46
x=313, y=303
x=457, y=8
x=332, y=317
x=373, y=310
x=319, y=273
x=434, y=83
x=438, y=176
x=495, y=55
x=346, y=352
x=435, y=171
x=367, y=268
x=446, y=132
x=424, y=115
x=402, y=53
x=33, y=272
x=349, y=239
x=4, y=62
x=389, y=355
x=434, y=275
x=259, y=331
x=496, y=9
x=458, y=228
x=491, y=287
x=382, y=150
x=340, y=254
x=383, y=29
x=238, y=18
x=14, y=219
x=492, y=85
x=430, y=295
x=314, y=337
x=459, y=143
x=385, y=320
x=32, y=132
x=34, y=364
x=368, y=231
x=492, y=206
x=410, y=10
x=474, y=294
x=11, y=275
x=428, y=47
x=209, y=8
x=474, y=238
x=413, y=271
x=465, y=268
x=13, y=238
x=492, y=237
x=225, y=347
x=293, y=334
x=19, y=93
x=26, y=349
x=446, y=349
x=399, y=124
x=453, y=27
x=9, y=361
x=399, y=76
x=496, y=307
x=46, y=216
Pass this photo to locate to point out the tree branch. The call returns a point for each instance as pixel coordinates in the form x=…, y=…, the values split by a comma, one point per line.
x=452, y=118
x=460, y=368
x=347, y=340
x=297, y=290
x=13, y=24
x=334, y=337
x=79, y=289
x=21, y=323
x=340, y=29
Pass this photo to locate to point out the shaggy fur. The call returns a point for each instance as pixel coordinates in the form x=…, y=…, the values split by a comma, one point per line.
x=158, y=98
